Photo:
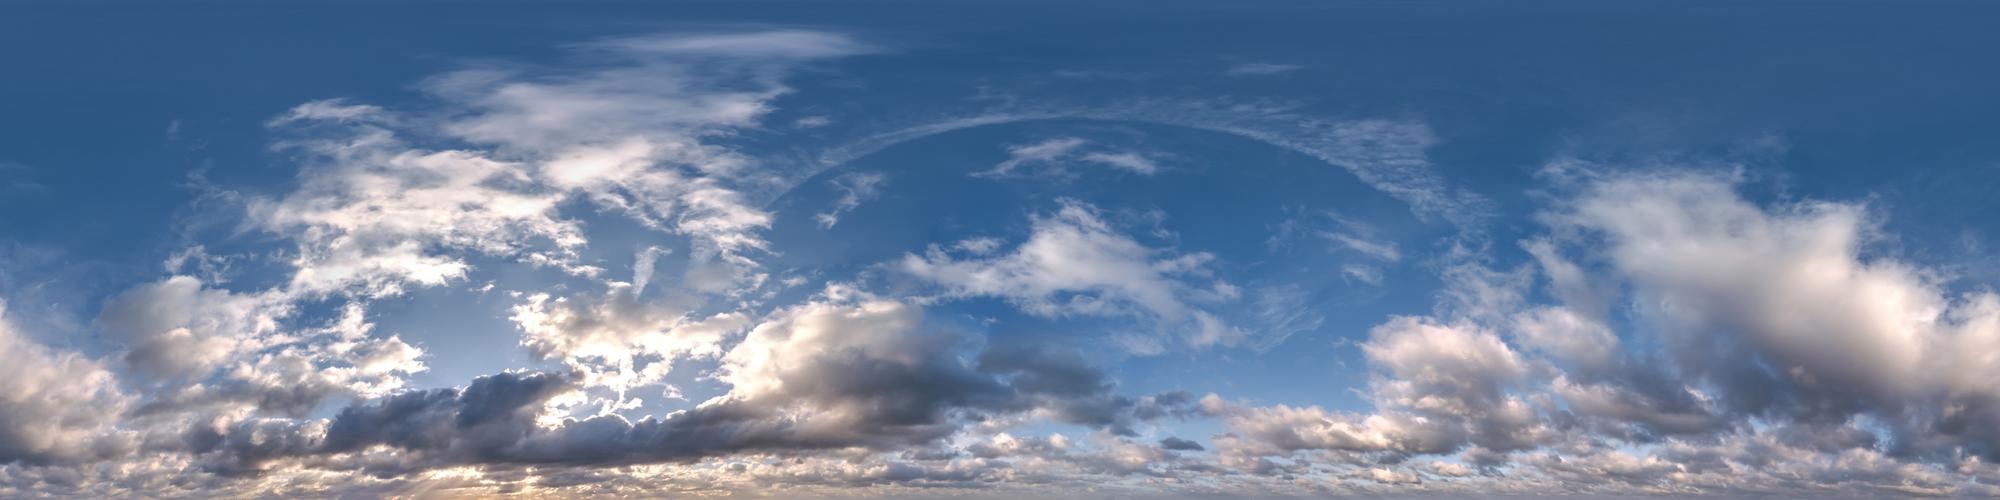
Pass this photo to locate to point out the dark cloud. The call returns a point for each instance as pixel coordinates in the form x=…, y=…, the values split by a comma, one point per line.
x=818, y=377
x=1178, y=444
x=55, y=406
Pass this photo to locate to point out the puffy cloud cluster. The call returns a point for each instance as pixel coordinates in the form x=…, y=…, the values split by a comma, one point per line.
x=375, y=213
x=1781, y=316
x=55, y=406
x=617, y=340
x=1763, y=349
x=384, y=207
x=851, y=372
x=209, y=350
x=391, y=201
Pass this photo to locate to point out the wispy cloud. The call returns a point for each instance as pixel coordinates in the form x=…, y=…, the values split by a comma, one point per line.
x=18, y=177
x=1261, y=69
x=1049, y=158
x=1073, y=263
x=855, y=188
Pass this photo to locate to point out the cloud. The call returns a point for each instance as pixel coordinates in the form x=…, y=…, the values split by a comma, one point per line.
x=1127, y=161
x=1049, y=157
x=378, y=207
x=736, y=47
x=1261, y=69
x=855, y=188
x=177, y=328
x=59, y=407
x=1383, y=251
x=815, y=121
x=373, y=213
x=1782, y=346
x=1278, y=312
x=1178, y=444
x=1390, y=156
x=1074, y=264
x=1366, y=252
x=1782, y=313
x=484, y=420
x=849, y=372
x=1037, y=153
x=210, y=349
x=618, y=341
x=393, y=200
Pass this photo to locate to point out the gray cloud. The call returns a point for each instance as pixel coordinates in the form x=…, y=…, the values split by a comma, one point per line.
x=58, y=406
x=818, y=377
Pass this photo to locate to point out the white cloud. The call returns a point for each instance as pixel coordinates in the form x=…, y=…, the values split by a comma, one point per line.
x=373, y=213
x=633, y=136
x=1073, y=263
x=616, y=340
x=1378, y=250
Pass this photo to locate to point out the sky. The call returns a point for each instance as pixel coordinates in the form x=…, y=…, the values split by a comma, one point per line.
x=983, y=249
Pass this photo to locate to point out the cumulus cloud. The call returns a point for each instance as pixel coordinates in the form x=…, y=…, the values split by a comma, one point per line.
x=373, y=213
x=1441, y=388
x=1783, y=345
x=55, y=406
x=1782, y=313
x=393, y=200
x=618, y=341
x=848, y=372
x=213, y=350
x=380, y=208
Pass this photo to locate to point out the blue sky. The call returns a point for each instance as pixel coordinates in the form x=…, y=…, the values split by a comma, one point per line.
x=998, y=248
